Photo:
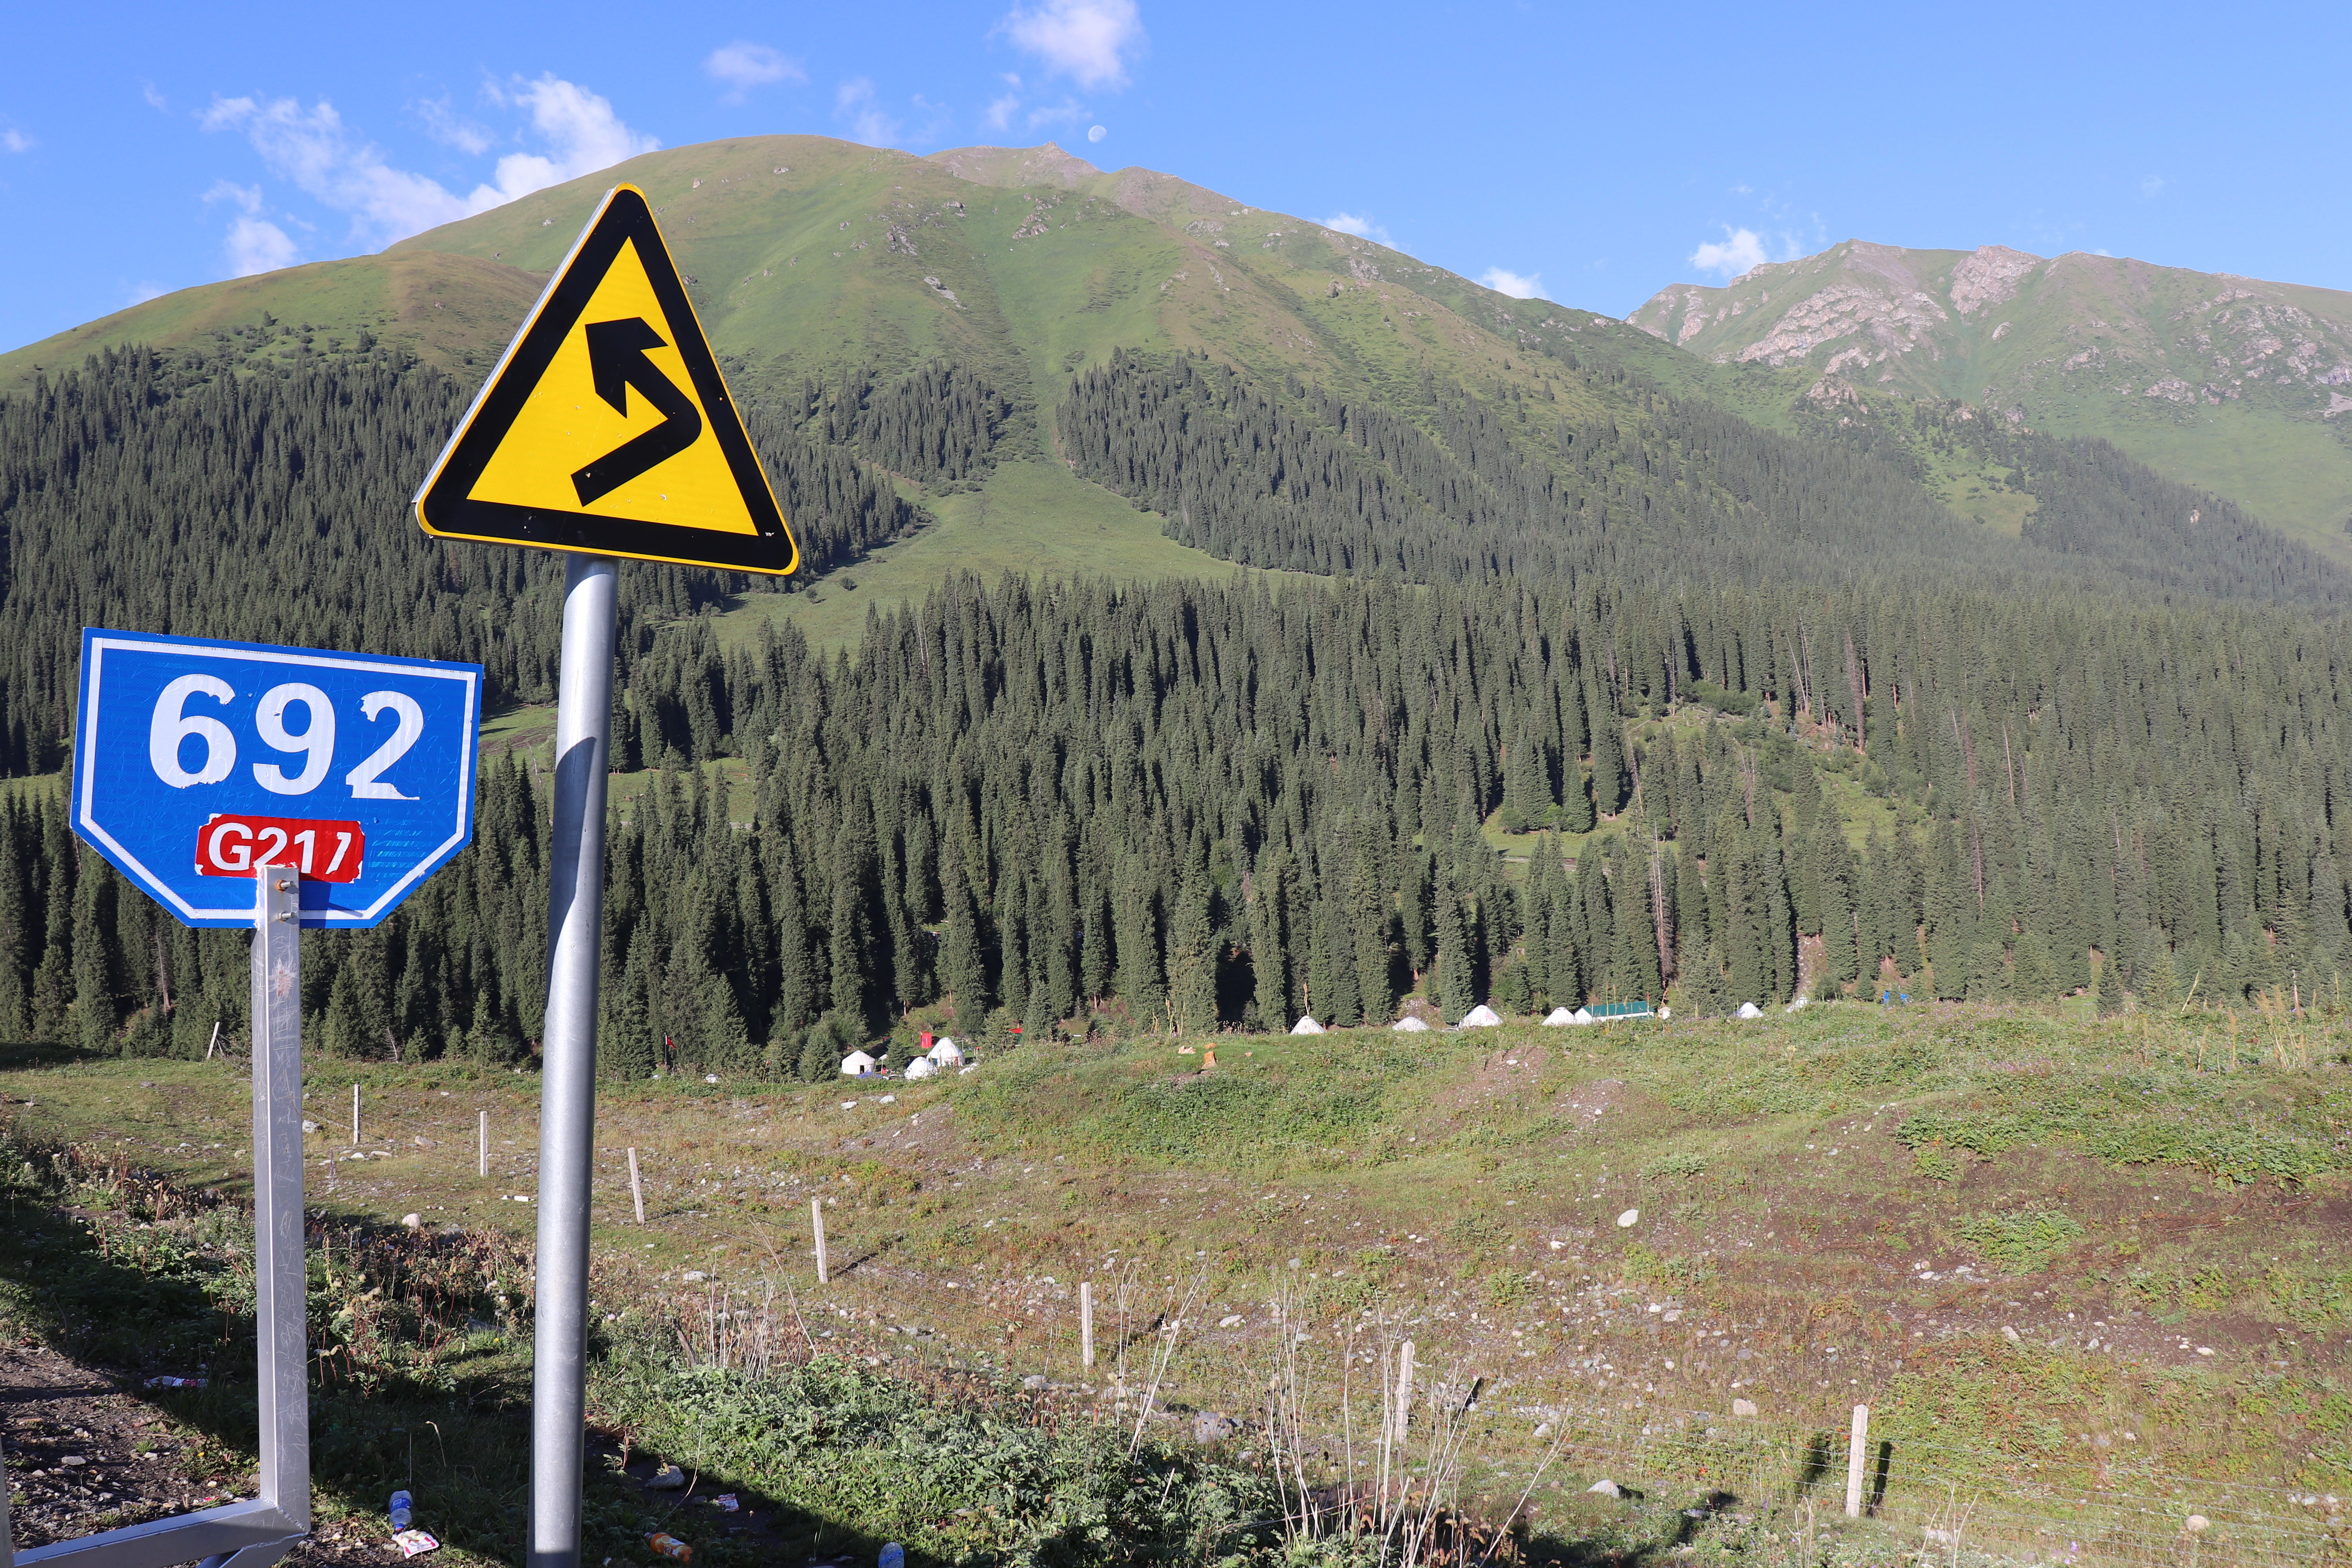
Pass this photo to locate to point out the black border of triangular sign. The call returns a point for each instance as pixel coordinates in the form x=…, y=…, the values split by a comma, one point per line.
x=443, y=506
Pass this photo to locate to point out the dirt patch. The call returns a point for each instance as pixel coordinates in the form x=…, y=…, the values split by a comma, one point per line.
x=84, y=1455
x=1508, y=1077
x=1587, y=1103
x=928, y=1135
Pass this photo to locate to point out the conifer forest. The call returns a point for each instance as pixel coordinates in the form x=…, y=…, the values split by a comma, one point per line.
x=1765, y=719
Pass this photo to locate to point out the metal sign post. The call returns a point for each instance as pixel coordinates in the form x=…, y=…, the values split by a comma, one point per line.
x=258, y=1530
x=188, y=753
x=567, y=1094
x=606, y=430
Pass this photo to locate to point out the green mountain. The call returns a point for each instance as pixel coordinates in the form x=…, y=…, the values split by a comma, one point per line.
x=810, y=256
x=2225, y=383
x=1818, y=686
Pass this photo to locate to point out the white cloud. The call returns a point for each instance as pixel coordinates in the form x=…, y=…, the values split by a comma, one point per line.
x=853, y=103
x=155, y=99
x=1096, y=132
x=1087, y=40
x=312, y=148
x=743, y=64
x=1362, y=228
x=17, y=142
x=935, y=119
x=1001, y=111
x=1069, y=111
x=1518, y=285
x=326, y=162
x=140, y=292
x=1742, y=249
x=451, y=129
x=2153, y=185
x=247, y=197
x=257, y=245
x=579, y=127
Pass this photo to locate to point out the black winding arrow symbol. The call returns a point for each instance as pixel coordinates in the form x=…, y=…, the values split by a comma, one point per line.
x=617, y=356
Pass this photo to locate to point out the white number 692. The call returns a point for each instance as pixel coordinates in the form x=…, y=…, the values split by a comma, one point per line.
x=170, y=725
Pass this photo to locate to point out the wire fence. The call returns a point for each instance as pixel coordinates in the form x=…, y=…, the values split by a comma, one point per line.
x=1949, y=1502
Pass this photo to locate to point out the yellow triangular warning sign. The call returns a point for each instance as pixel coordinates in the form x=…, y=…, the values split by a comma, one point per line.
x=607, y=427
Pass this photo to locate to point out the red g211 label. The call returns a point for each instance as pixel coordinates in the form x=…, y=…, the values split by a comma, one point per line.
x=231, y=845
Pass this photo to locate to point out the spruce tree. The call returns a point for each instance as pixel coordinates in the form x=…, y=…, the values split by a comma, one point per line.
x=1370, y=921
x=1457, y=990
x=1269, y=947
x=1192, y=957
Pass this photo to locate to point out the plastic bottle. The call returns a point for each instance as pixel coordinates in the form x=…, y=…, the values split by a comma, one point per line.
x=667, y=1545
x=400, y=1505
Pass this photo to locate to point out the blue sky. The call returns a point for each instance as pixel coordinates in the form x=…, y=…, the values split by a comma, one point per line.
x=1592, y=154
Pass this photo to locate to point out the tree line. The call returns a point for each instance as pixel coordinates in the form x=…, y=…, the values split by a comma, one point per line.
x=1073, y=804
x=1638, y=485
x=1182, y=807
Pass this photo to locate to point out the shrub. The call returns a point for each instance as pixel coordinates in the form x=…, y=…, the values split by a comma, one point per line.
x=2021, y=1240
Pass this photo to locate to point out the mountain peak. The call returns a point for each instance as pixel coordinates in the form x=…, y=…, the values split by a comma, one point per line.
x=1012, y=167
x=2079, y=345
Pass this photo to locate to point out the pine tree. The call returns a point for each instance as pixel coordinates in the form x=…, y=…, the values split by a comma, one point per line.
x=1832, y=881
x=1269, y=946
x=1192, y=957
x=1369, y=921
x=1457, y=990
x=97, y=1010
x=1608, y=778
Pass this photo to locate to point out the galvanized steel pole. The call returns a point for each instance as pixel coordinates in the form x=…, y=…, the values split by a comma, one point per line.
x=280, y=1282
x=567, y=1109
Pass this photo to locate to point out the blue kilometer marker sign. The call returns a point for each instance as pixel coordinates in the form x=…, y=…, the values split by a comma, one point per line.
x=198, y=762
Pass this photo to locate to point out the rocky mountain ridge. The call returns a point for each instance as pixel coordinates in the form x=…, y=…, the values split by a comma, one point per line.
x=2079, y=345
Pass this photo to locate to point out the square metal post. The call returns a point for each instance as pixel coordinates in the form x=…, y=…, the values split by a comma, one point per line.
x=254, y=1532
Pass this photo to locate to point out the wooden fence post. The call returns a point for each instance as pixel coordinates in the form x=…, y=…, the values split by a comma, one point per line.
x=486, y=1143
x=816, y=1224
x=1087, y=1324
x=636, y=1192
x=1855, y=1446
x=1403, y=1412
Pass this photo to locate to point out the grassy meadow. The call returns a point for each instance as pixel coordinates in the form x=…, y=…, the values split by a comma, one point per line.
x=2088, y=1276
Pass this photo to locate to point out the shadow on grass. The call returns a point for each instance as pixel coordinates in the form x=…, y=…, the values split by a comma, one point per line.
x=20, y=1056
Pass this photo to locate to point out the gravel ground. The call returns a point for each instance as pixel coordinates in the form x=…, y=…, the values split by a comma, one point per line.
x=83, y=1456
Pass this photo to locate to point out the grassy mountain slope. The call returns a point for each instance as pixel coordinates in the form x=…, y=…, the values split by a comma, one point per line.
x=1025, y=516
x=2226, y=383
x=810, y=258
x=810, y=255
x=453, y=311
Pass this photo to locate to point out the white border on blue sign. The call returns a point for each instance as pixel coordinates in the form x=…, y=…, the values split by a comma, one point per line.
x=95, y=643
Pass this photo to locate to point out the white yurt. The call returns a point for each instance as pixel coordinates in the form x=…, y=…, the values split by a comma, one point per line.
x=1583, y=1016
x=1307, y=1027
x=1558, y=1016
x=1798, y=1005
x=1748, y=1010
x=946, y=1053
x=1411, y=1024
x=922, y=1067
x=1480, y=1017
x=857, y=1063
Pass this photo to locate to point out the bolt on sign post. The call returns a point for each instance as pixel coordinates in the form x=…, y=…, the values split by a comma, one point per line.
x=277, y=789
x=605, y=431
